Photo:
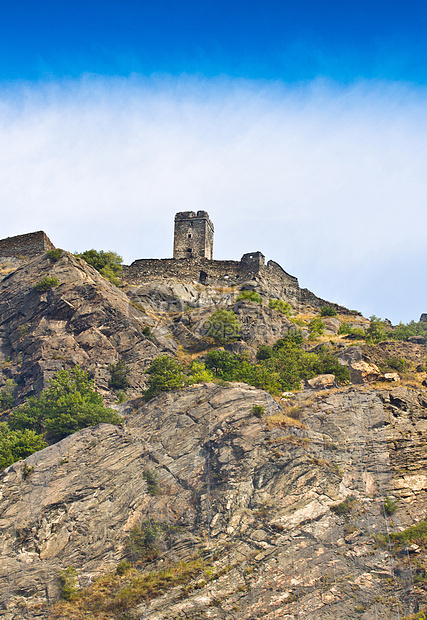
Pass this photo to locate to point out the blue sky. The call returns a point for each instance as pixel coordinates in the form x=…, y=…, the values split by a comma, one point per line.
x=273, y=40
x=301, y=127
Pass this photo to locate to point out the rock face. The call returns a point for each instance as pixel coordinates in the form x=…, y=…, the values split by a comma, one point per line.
x=84, y=320
x=291, y=506
x=360, y=370
x=286, y=498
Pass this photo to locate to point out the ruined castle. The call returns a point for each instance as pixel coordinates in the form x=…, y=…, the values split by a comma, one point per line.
x=193, y=259
x=192, y=262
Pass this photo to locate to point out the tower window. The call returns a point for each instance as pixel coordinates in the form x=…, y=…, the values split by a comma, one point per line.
x=189, y=235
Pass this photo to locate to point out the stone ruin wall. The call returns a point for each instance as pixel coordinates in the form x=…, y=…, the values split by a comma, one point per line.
x=211, y=272
x=29, y=245
x=218, y=273
x=225, y=274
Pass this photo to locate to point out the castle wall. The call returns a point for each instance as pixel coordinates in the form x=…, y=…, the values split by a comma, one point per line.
x=30, y=245
x=224, y=273
x=213, y=272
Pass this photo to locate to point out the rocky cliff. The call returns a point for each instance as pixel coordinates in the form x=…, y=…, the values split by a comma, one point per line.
x=227, y=503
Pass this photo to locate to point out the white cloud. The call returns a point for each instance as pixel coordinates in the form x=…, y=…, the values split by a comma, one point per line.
x=328, y=181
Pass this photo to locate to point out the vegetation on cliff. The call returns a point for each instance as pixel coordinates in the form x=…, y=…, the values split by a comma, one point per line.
x=67, y=405
x=107, y=263
x=278, y=368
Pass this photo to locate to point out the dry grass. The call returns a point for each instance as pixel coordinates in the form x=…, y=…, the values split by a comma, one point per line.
x=112, y=595
x=282, y=420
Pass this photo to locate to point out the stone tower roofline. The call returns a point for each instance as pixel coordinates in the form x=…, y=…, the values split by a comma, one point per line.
x=185, y=215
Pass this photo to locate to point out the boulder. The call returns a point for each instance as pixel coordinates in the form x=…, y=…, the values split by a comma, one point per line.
x=391, y=376
x=417, y=339
x=321, y=382
x=332, y=325
x=360, y=371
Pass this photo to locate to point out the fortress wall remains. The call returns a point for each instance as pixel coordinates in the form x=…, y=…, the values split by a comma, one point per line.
x=200, y=270
x=31, y=244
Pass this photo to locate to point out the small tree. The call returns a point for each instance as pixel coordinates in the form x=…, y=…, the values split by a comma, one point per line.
x=7, y=399
x=281, y=306
x=17, y=445
x=108, y=264
x=328, y=310
x=118, y=375
x=316, y=327
x=199, y=373
x=45, y=284
x=223, y=326
x=165, y=374
x=222, y=364
x=67, y=405
x=377, y=331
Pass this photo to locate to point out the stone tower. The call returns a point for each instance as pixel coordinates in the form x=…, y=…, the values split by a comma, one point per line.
x=193, y=236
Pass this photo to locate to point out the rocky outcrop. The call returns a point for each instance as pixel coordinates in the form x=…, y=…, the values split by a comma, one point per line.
x=291, y=502
x=360, y=370
x=82, y=320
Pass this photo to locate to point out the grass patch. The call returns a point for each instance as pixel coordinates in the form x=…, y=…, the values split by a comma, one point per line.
x=414, y=534
x=114, y=594
x=344, y=508
x=282, y=420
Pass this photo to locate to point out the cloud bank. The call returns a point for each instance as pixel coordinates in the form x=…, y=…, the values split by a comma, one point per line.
x=327, y=180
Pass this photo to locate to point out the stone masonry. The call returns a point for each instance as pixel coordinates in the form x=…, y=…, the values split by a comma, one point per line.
x=193, y=236
x=28, y=246
x=192, y=262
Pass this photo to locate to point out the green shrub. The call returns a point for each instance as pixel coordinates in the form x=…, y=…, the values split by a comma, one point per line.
x=403, y=332
x=121, y=397
x=199, y=373
x=223, y=326
x=258, y=411
x=316, y=327
x=327, y=364
x=147, y=332
x=281, y=306
x=396, y=363
x=414, y=534
x=250, y=296
x=328, y=311
x=144, y=541
x=68, y=578
x=150, y=477
x=118, y=375
x=54, y=255
x=67, y=405
x=344, y=508
x=7, y=399
x=378, y=331
x=16, y=445
x=108, y=264
x=390, y=506
x=45, y=284
x=123, y=567
x=264, y=352
x=165, y=374
x=347, y=329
